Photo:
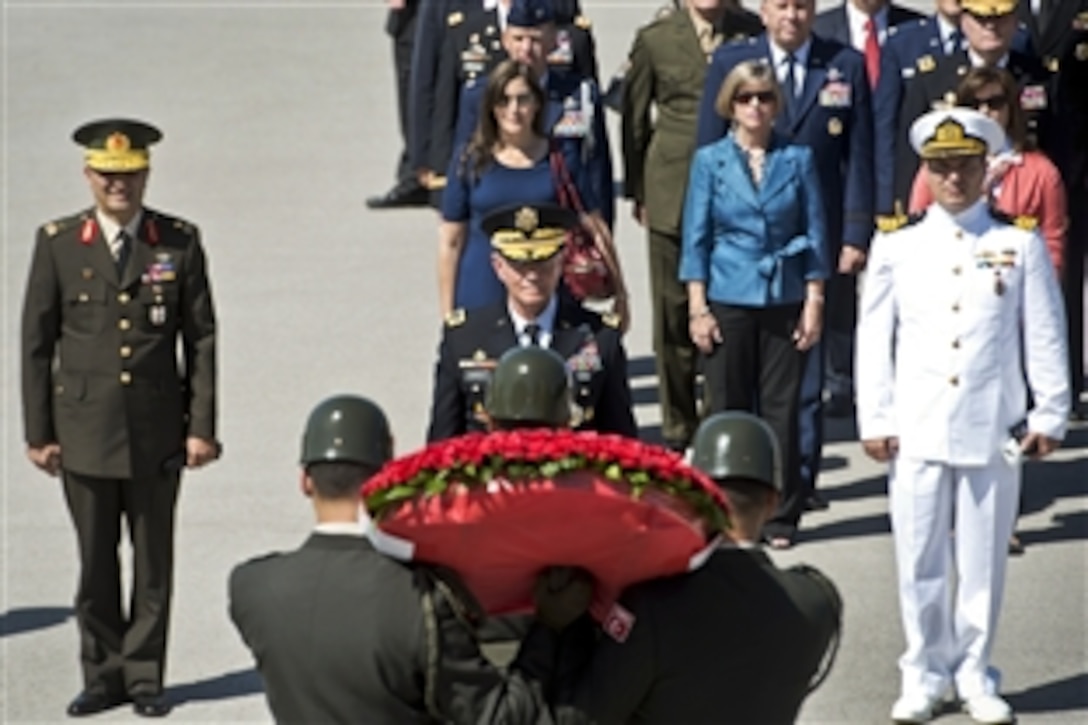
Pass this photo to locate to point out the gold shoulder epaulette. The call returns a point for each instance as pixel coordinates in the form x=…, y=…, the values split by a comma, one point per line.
x=454, y=19
x=456, y=318
x=892, y=222
x=583, y=22
x=926, y=63
x=56, y=226
x=1026, y=221
x=611, y=319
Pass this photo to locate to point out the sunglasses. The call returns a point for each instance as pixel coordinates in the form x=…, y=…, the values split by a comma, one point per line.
x=745, y=97
x=994, y=103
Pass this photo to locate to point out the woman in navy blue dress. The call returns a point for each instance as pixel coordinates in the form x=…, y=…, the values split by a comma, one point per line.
x=505, y=162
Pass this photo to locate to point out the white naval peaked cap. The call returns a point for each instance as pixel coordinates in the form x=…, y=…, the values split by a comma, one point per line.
x=956, y=132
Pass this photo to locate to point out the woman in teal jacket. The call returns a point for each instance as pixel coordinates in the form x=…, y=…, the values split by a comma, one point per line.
x=755, y=258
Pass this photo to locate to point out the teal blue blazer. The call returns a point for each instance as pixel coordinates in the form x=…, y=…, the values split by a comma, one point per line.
x=754, y=246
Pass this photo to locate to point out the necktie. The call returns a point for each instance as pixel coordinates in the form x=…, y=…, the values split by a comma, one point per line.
x=122, y=246
x=791, y=78
x=1043, y=16
x=532, y=331
x=872, y=53
x=955, y=42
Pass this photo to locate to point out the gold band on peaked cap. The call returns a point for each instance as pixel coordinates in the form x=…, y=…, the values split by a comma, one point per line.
x=529, y=232
x=956, y=132
x=116, y=145
x=989, y=8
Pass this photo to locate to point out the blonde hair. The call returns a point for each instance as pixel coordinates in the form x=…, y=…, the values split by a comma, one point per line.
x=750, y=71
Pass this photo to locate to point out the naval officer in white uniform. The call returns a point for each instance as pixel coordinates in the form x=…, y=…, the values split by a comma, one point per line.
x=961, y=317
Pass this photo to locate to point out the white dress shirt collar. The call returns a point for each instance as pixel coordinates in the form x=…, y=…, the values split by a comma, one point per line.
x=546, y=320
x=340, y=528
x=778, y=58
x=969, y=219
x=857, y=20
x=977, y=62
x=110, y=228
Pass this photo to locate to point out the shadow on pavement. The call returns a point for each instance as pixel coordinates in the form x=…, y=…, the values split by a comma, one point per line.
x=17, y=621
x=871, y=525
x=222, y=687
x=1068, y=694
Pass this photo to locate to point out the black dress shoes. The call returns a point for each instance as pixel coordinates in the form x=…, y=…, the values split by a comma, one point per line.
x=399, y=197
x=90, y=702
x=151, y=705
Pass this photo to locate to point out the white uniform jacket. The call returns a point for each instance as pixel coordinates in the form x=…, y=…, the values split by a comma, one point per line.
x=957, y=312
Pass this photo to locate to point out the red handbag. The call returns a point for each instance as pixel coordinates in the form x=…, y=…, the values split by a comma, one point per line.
x=585, y=273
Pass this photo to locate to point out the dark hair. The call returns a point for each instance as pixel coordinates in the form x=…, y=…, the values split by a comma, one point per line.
x=339, y=479
x=480, y=151
x=746, y=496
x=977, y=79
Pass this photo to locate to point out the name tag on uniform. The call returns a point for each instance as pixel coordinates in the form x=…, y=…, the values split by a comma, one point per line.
x=835, y=94
x=1033, y=98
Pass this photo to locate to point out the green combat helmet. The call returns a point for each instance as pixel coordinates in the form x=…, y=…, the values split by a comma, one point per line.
x=738, y=445
x=349, y=429
x=530, y=387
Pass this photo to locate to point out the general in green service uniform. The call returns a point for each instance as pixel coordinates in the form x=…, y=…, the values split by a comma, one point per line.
x=112, y=291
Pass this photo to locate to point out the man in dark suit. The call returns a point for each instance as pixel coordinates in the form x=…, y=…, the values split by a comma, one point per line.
x=471, y=46
x=340, y=632
x=400, y=25
x=663, y=85
x=828, y=109
x=1059, y=32
x=863, y=25
x=526, y=243
x=989, y=28
x=573, y=116
x=736, y=640
x=111, y=292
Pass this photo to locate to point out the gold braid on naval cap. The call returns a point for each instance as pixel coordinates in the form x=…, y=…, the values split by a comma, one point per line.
x=950, y=139
x=527, y=240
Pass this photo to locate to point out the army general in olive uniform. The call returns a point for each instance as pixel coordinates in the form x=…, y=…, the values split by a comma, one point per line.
x=106, y=404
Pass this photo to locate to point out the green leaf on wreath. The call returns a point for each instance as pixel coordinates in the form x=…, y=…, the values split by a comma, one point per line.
x=435, y=486
x=613, y=472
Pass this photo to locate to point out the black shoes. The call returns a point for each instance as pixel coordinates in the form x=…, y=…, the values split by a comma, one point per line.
x=90, y=702
x=151, y=705
x=399, y=197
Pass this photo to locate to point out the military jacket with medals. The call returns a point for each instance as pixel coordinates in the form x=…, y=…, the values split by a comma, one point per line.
x=471, y=48
x=960, y=319
x=100, y=363
x=473, y=341
x=936, y=78
x=1063, y=46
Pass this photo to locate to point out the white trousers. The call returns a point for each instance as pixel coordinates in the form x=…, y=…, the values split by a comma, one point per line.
x=951, y=527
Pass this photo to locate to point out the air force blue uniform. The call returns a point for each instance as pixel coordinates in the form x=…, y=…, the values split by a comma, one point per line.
x=832, y=115
x=911, y=46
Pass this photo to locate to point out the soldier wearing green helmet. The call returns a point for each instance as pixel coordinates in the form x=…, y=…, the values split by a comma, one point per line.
x=738, y=634
x=529, y=389
x=342, y=633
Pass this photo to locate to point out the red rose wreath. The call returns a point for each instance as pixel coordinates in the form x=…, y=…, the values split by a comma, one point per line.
x=500, y=507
